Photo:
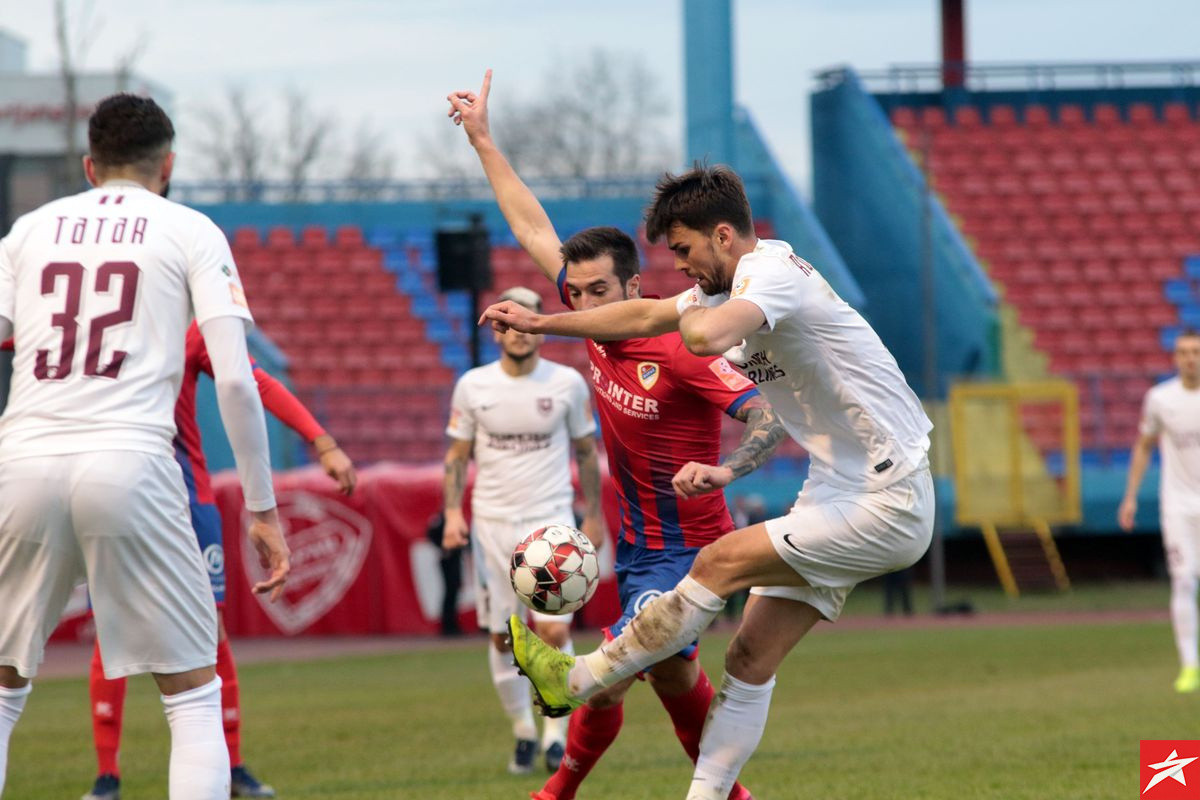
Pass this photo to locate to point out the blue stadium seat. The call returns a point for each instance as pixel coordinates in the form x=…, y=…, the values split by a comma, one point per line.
x=395, y=260
x=1168, y=335
x=383, y=237
x=1191, y=266
x=458, y=304
x=1190, y=316
x=1179, y=292
x=412, y=283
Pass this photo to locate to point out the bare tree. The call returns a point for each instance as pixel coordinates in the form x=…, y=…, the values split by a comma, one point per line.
x=72, y=49
x=234, y=145
x=603, y=117
x=370, y=163
x=306, y=136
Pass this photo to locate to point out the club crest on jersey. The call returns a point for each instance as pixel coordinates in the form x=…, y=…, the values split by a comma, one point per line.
x=647, y=374
x=545, y=405
x=740, y=287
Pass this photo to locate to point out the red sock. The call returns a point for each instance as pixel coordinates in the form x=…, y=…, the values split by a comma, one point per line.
x=688, y=713
x=108, y=705
x=589, y=734
x=231, y=709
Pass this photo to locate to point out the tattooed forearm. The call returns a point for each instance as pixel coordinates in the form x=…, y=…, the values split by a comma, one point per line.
x=454, y=482
x=589, y=473
x=763, y=434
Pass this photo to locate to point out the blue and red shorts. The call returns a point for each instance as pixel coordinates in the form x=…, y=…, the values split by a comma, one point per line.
x=643, y=575
x=206, y=522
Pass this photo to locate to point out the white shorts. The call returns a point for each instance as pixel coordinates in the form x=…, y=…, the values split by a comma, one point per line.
x=835, y=538
x=492, y=543
x=118, y=519
x=1181, y=542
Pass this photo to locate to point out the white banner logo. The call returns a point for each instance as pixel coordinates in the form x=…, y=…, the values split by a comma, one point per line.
x=329, y=543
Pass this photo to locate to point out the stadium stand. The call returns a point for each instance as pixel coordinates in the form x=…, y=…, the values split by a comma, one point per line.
x=376, y=356
x=1083, y=216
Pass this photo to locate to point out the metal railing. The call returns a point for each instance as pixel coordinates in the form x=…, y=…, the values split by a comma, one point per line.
x=913, y=78
x=409, y=191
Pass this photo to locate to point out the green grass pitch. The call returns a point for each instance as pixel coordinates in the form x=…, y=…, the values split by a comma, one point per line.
x=1037, y=711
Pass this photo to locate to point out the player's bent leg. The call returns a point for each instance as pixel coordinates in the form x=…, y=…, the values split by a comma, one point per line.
x=770, y=628
x=738, y=560
x=591, y=730
x=556, y=633
x=686, y=693
x=513, y=694
x=108, y=704
x=199, y=765
x=13, y=691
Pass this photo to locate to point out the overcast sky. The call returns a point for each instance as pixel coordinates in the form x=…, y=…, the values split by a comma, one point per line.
x=390, y=63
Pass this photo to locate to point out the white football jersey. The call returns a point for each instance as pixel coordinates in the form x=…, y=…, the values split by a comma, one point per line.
x=834, y=385
x=522, y=427
x=1172, y=414
x=100, y=288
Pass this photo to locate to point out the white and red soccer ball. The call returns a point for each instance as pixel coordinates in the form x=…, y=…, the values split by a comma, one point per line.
x=554, y=570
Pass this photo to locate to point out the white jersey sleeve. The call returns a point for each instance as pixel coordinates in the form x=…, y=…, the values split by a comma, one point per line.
x=769, y=282
x=1151, y=420
x=8, y=284
x=213, y=279
x=580, y=421
x=462, y=420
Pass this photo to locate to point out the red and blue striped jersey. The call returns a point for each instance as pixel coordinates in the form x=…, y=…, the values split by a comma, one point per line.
x=660, y=407
x=189, y=451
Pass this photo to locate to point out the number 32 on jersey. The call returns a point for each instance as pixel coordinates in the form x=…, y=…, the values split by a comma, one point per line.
x=67, y=281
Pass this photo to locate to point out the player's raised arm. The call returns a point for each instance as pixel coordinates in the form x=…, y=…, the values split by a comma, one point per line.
x=521, y=209
x=626, y=319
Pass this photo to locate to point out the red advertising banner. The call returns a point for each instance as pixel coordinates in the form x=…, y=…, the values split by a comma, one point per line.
x=360, y=564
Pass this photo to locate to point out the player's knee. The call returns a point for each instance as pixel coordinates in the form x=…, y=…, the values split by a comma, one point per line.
x=749, y=661
x=712, y=567
x=500, y=642
x=674, y=677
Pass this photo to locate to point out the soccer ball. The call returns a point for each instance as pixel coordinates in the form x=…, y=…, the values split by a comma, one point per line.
x=554, y=570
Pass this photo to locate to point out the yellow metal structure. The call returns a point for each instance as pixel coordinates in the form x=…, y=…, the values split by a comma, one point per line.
x=1002, y=478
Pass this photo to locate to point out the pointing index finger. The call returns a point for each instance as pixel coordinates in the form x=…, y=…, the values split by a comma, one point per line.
x=487, y=85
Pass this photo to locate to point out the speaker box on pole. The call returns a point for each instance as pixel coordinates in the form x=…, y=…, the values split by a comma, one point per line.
x=464, y=259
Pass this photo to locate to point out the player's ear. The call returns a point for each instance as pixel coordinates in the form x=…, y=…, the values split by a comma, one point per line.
x=89, y=171
x=633, y=286
x=168, y=165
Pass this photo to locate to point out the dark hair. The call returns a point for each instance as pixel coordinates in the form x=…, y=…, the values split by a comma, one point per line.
x=700, y=199
x=595, y=242
x=1192, y=332
x=129, y=130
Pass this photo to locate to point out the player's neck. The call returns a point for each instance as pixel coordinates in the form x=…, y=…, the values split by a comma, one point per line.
x=515, y=368
x=1190, y=383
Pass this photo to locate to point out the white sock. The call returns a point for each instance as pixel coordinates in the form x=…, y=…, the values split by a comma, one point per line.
x=554, y=729
x=1184, y=618
x=731, y=734
x=199, y=757
x=659, y=630
x=12, y=702
x=514, y=693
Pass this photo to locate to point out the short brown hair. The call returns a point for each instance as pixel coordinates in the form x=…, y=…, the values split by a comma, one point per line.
x=700, y=199
x=129, y=130
x=594, y=242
